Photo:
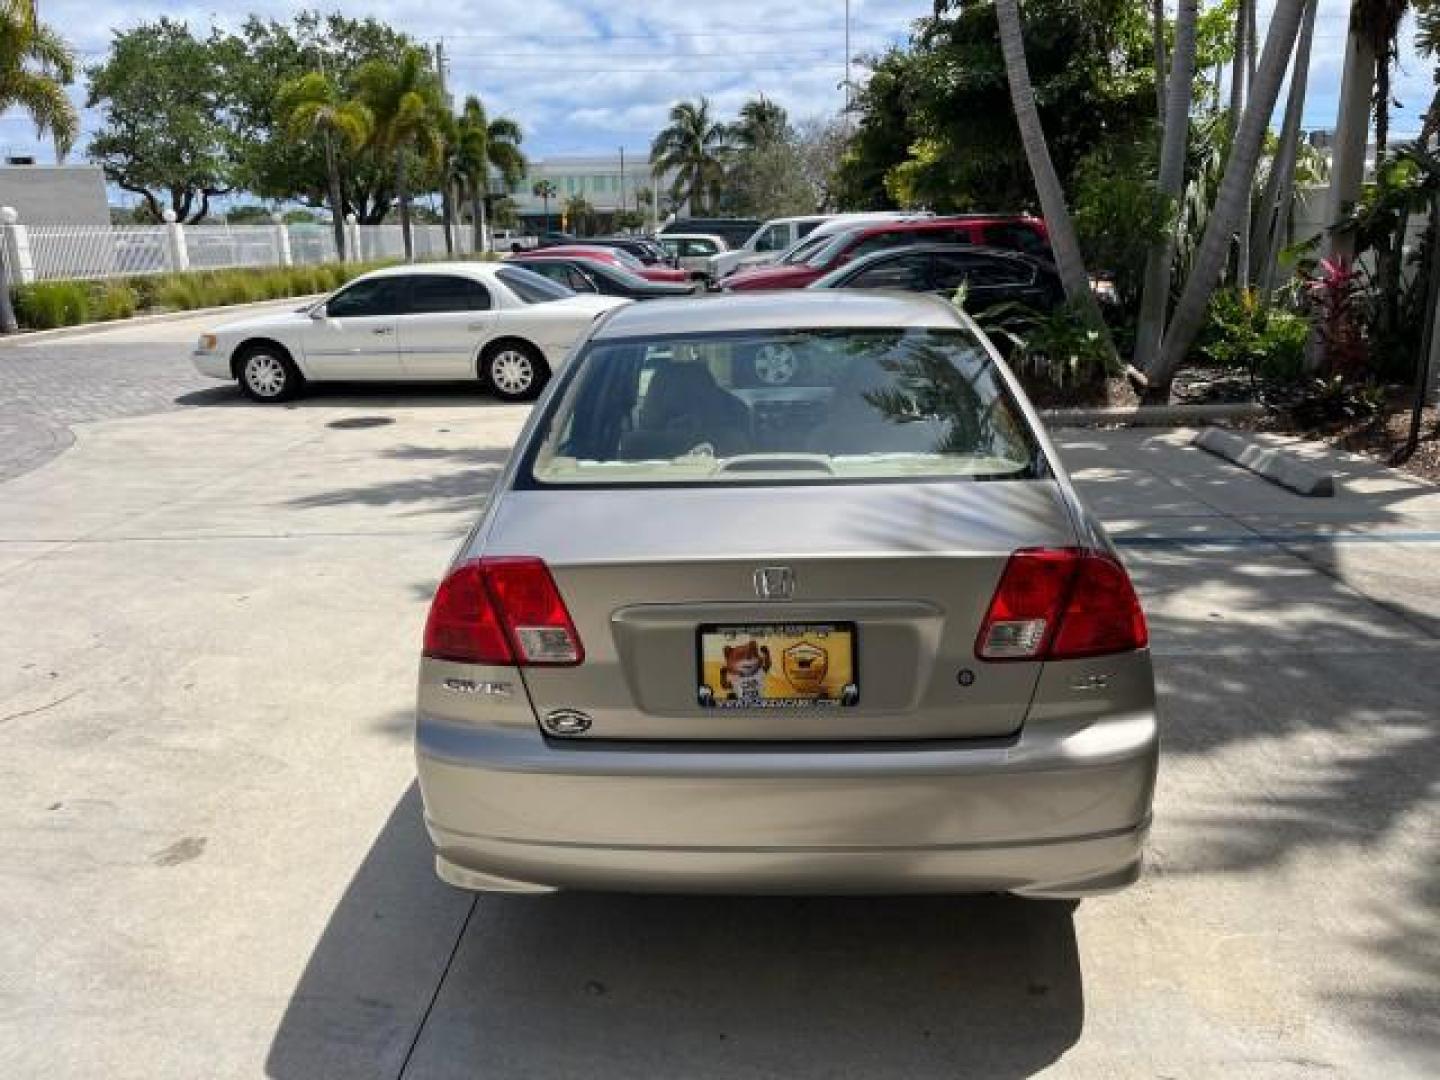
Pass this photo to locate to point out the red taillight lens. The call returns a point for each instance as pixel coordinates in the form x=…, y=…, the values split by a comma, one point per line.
x=1061, y=604
x=501, y=611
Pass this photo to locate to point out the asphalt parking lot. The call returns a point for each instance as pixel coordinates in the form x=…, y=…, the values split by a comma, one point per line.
x=212, y=863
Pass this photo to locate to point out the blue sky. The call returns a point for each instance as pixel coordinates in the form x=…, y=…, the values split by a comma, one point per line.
x=588, y=76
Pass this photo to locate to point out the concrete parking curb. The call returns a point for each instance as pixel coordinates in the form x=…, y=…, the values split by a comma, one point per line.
x=1271, y=463
x=61, y=332
x=1153, y=415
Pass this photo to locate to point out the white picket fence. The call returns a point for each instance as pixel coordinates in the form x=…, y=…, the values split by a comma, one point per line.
x=62, y=252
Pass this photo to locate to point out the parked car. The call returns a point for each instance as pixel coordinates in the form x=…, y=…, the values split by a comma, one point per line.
x=852, y=630
x=611, y=255
x=692, y=252
x=767, y=243
x=735, y=230
x=861, y=240
x=646, y=250
x=597, y=276
x=990, y=276
x=496, y=322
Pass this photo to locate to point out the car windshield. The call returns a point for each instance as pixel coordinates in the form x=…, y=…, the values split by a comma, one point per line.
x=821, y=258
x=530, y=287
x=799, y=251
x=808, y=406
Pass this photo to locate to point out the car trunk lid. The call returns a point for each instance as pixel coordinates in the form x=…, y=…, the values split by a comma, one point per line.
x=912, y=566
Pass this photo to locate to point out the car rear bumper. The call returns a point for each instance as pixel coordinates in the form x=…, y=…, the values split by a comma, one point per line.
x=1062, y=809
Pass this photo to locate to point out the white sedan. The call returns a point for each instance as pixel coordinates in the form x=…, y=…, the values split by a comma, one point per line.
x=507, y=327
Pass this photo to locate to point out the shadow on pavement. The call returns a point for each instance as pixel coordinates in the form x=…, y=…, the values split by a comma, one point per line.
x=591, y=984
x=407, y=395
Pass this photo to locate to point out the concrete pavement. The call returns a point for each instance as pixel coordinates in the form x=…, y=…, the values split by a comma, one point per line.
x=211, y=860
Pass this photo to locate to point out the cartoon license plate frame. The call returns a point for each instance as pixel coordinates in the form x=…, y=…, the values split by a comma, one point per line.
x=810, y=665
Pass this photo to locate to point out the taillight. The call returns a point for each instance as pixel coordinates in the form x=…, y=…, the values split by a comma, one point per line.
x=1061, y=604
x=504, y=611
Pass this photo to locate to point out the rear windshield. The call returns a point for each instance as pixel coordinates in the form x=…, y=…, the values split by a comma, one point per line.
x=530, y=287
x=802, y=406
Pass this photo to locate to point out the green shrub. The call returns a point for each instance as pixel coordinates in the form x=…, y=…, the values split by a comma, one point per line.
x=43, y=305
x=115, y=300
x=1268, y=340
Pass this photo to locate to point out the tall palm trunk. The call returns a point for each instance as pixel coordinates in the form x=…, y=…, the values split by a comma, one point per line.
x=1150, y=331
x=1234, y=192
x=1272, y=230
x=1239, y=78
x=1157, y=17
x=447, y=216
x=1063, y=241
x=402, y=195
x=337, y=199
x=477, y=217
x=1352, y=125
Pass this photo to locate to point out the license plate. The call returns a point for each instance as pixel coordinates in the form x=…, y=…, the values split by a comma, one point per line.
x=778, y=666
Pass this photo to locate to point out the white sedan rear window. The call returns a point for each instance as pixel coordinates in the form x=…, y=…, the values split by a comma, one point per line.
x=807, y=406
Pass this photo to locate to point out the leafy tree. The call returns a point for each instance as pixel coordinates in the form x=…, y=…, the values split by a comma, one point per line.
x=263, y=55
x=884, y=135
x=1378, y=21
x=313, y=107
x=404, y=99
x=165, y=134
x=820, y=143
x=35, y=67
x=695, y=147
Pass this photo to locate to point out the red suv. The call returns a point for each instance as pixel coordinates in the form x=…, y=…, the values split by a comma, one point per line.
x=1016, y=232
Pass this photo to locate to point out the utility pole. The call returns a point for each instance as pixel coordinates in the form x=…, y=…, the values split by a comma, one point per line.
x=622, y=202
x=847, y=62
x=440, y=73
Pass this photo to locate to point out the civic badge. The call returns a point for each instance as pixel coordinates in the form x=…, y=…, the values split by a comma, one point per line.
x=774, y=583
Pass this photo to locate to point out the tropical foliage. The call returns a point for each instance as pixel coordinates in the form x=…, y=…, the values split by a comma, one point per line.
x=35, y=67
x=694, y=148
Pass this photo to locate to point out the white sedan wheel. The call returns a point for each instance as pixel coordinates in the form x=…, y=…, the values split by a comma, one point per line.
x=512, y=373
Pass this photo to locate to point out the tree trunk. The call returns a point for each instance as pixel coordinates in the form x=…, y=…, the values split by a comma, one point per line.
x=477, y=216
x=1427, y=364
x=1063, y=242
x=1155, y=298
x=1239, y=77
x=337, y=200
x=1272, y=229
x=1352, y=127
x=447, y=217
x=1234, y=192
x=402, y=195
x=1157, y=16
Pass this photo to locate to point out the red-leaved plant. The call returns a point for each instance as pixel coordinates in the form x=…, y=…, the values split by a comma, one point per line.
x=1335, y=293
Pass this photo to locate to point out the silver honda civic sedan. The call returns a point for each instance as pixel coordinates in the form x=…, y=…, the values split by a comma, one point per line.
x=787, y=592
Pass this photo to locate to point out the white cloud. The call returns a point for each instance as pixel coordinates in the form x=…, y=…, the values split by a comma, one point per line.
x=583, y=75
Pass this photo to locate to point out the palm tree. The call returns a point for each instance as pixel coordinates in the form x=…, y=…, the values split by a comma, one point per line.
x=762, y=123
x=695, y=147
x=1272, y=228
x=35, y=67
x=403, y=98
x=1063, y=241
x=480, y=144
x=545, y=190
x=1378, y=21
x=312, y=107
x=1234, y=193
x=1175, y=137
